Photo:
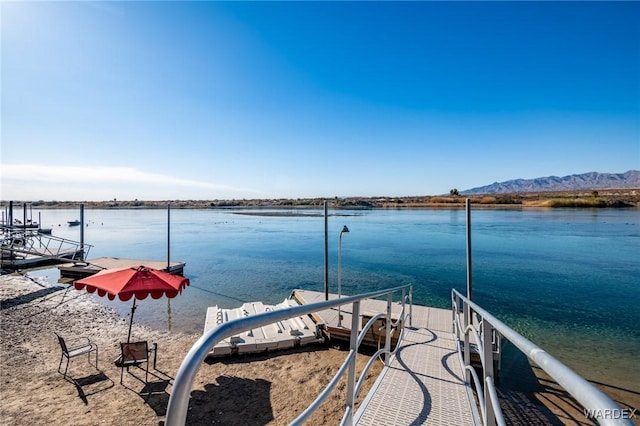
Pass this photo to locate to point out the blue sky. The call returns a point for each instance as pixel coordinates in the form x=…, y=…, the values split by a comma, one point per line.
x=216, y=100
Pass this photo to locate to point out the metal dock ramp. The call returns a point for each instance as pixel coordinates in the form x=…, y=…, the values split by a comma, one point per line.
x=423, y=380
x=27, y=248
x=424, y=383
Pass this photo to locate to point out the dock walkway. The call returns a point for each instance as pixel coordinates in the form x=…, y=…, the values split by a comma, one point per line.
x=24, y=248
x=424, y=383
x=86, y=268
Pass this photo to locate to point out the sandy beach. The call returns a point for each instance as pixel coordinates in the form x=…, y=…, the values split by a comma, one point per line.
x=263, y=389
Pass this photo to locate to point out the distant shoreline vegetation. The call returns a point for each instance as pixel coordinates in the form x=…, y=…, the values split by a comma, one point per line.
x=609, y=198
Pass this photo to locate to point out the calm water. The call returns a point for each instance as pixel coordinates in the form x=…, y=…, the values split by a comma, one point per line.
x=567, y=279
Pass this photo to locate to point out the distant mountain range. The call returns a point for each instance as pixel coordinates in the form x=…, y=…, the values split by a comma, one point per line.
x=592, y=180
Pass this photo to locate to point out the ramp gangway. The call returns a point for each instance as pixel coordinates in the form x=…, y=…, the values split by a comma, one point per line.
x=427, y=378
x=424, y=382
x=24, y=247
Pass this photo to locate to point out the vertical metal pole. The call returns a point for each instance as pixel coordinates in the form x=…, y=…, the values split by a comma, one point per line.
x=326, y=253
x=344, y=229
x=340, y=265
x=82, y=230
x=24, y=217
x=467, y=350
x=387, y=337
x=39, y=227
x=169, y=322
x=487, y=370
x=455, y=309
x=169, y=260
x=133, y=311
x=404, y=313
x=467, y=312
x=351, y=375
x=10, y=213
x=339, y=277
x=411, y=305
x=469, y=272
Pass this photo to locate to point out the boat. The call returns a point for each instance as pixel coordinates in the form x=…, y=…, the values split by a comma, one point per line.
x=17, y=223
x=73, y=222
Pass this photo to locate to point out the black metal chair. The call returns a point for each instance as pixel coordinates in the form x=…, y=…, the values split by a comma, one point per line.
x=75, y=350
x=134, y=354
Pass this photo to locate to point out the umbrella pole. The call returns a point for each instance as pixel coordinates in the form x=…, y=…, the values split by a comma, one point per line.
x=133, y=310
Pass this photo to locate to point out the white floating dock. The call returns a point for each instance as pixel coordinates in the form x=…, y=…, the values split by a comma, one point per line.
x=298, y=331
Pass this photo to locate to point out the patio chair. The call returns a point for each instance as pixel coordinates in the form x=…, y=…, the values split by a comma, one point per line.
x=133, y=355
x=77, y=349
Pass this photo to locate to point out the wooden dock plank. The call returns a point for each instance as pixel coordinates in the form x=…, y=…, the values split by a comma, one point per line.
x=89, y=267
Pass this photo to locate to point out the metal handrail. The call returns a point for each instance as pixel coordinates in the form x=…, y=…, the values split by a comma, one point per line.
x=590, y=397
x=477, y=384
x=401, y=319
x=493, y=398
x=48, y=245
x=327, y=390
x=179, y=399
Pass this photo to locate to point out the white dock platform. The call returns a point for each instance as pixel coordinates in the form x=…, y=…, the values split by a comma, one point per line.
x=285, y=334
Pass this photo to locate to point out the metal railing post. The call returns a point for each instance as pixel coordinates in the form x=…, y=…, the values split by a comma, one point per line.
x=177, y=407
x=455, y=311
x=404, y=295
x=487, y=370
x=404, y=312
x=387, y=337
x=585, y=393
x=351, y=375
x=467, y=351
x=411, y=306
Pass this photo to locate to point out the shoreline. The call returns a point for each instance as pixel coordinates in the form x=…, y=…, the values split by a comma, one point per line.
x=579, y=199
x=271, y=388
x=280, y=384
